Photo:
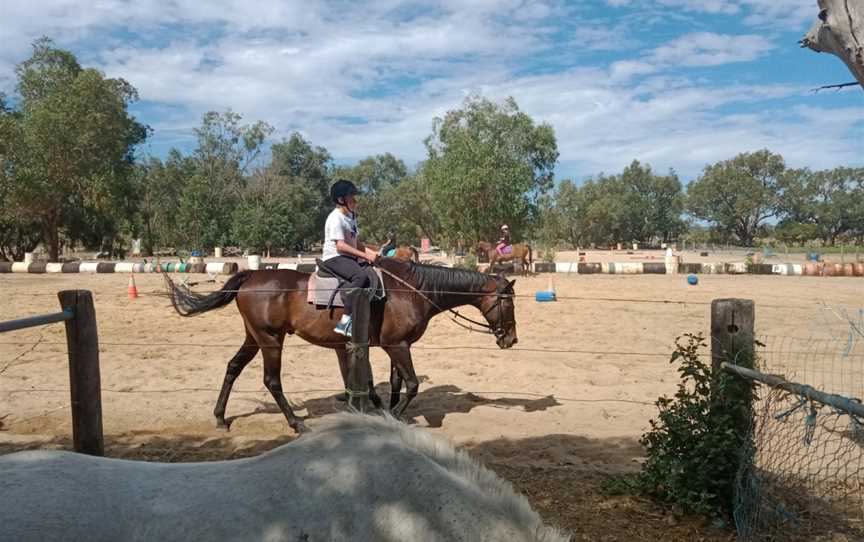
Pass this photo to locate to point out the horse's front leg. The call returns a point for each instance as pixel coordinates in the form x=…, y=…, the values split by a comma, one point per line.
x=240, y=360
x=400, y=360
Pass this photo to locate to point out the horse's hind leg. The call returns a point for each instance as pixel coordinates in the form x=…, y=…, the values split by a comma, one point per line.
x=400, y=359
x=240, y=360
x=271, y=349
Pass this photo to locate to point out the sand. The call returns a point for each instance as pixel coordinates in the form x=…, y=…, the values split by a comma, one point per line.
x=581, y=404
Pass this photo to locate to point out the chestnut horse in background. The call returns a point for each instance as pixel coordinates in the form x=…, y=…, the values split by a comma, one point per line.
x=521, y=253
x=406, y=253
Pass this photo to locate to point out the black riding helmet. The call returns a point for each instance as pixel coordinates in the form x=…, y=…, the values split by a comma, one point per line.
x=342, y=189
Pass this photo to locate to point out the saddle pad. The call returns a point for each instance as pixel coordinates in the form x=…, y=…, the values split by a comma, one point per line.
x=321, y=288
x=506, y=249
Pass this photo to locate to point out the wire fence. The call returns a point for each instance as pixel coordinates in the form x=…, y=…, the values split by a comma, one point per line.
x=802, y=477
x=806, y=473
x=53, y=351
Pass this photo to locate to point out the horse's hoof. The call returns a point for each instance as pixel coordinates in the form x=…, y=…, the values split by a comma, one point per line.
x=222, y=426
x=299, y=427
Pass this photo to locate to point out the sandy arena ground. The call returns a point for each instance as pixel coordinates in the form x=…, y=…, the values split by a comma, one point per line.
x=566, y=415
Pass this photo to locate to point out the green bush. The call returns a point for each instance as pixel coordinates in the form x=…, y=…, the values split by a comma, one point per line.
x=547, y=253
x=694, y=444
x=468, y=262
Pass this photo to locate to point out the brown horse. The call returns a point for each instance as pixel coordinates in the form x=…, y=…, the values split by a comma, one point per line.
x=521, y=253
x=405, y=253
x=273, y=304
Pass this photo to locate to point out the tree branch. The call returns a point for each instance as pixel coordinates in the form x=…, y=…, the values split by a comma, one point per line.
x=841, y=85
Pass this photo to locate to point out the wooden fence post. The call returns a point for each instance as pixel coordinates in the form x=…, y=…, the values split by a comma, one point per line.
x=732, y=336
x=732, y=341
x=359, y=370
x=82, y=341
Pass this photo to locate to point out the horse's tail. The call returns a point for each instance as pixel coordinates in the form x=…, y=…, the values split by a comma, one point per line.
x=530, y=257
x=187, y=303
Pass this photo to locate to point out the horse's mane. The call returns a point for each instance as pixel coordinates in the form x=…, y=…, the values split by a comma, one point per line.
x=435, y=278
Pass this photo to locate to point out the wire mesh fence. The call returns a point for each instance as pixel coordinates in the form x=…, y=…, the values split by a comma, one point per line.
x=802, y=475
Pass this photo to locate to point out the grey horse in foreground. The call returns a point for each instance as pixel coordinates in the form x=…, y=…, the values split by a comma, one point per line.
x=353, y=477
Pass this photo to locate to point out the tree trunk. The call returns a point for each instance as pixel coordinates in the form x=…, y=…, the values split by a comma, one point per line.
x=52, y=236
x=840, y=31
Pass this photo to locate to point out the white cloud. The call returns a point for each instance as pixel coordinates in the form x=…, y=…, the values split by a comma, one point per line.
x=725, y=7
x=709, y=49
x=701, y=49
x=782, y=14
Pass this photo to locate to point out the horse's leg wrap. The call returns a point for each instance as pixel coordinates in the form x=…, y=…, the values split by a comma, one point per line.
x=402, y=364
x=395, y=386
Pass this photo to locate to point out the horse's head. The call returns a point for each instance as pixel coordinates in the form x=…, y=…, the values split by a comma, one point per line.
x=499, y=310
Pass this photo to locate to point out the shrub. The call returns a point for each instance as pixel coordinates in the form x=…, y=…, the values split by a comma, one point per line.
x=468, y=262
x=547, y=253
x=694, y=444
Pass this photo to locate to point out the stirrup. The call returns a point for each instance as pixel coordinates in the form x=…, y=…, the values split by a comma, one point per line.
x=343, y=329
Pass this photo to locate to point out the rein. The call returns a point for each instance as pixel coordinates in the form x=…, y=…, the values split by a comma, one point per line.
x=488, y=328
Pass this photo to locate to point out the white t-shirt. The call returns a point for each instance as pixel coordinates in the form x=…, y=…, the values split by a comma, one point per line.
x=338, y=226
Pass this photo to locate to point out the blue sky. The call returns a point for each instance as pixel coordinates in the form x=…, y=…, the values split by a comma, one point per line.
x=673, y=83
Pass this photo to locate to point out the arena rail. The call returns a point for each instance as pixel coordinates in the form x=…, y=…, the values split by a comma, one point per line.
x=82, y=342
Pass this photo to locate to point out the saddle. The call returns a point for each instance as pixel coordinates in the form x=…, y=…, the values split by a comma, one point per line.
x=505, y=249
x=325, y=285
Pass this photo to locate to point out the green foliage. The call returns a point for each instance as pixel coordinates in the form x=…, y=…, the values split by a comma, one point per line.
x=270, y=214
x=380, y=207
x=547, y=253
x=158, y=186
x=469, y=262
x=693, y=446
x=636, y=205
x=68, y=147
x=374, y=173
x=487, y=165
x=308, y=170
x=824, y=205
x=226, y=151
x=740, y=194
x=18, y=234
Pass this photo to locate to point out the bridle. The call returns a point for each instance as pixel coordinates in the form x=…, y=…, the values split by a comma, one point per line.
x=499, y=329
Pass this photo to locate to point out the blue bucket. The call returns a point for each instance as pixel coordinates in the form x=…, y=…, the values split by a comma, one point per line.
x=813, y=256
x=544, y=296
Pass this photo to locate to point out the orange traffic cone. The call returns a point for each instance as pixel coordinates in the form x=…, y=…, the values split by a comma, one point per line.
x=132, y=290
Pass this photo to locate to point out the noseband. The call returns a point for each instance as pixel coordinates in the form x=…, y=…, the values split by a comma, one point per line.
x=499, y=330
